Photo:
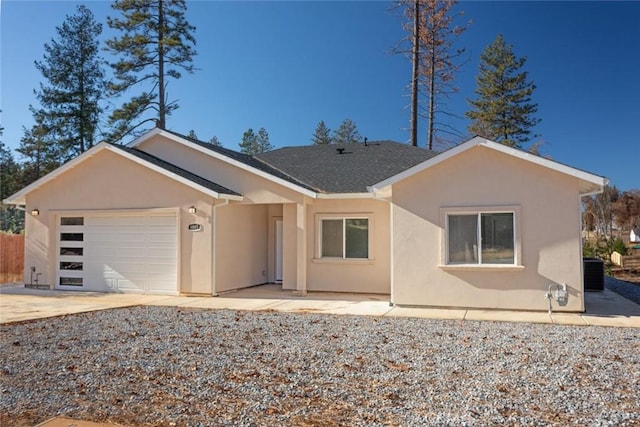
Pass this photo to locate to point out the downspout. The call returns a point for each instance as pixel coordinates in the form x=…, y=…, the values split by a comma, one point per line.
x=214, y=222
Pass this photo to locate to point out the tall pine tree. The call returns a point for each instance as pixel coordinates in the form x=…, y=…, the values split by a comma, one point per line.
x=156, y=42
x=347, y=133
x=74, y=84
x=322, y=135
x=39, y=149
x=503, y=110
x=11, y=219
x=435, y=61
x=253, y=143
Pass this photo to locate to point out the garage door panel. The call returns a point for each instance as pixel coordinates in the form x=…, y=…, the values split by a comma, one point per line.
x=133, y=253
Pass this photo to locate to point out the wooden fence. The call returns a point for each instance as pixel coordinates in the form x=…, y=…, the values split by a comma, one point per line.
x=626, y=261
x=11, y=257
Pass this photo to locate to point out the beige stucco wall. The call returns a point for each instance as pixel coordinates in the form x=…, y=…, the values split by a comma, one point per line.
x=254, y=189
x=109, y=182
x=241, y=246
x=480, y=177
x=371, y=276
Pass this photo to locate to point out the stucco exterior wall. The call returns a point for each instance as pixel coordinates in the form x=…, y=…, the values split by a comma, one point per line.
x=549, y=226
x=255, y=189
x=241, y=239
x=371, y=276
x=109, y=182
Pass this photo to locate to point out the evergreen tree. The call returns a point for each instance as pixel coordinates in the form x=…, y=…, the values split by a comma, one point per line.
x=156, y=42
x=322, y=134
x=347, y=133
x=432, y=36
x=215, y=141
x=263, y=141
x=253, y=143
x=70, y=97
x=192, y=134
x=503, y=110
x=11, y=219
x=249, y=144
x=41, y=153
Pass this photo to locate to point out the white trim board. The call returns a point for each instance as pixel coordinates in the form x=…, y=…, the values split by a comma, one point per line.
x=19, y=197
x=482, y=142
x=222, y=157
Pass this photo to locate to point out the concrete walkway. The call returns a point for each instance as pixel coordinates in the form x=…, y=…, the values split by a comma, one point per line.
x=20, y=304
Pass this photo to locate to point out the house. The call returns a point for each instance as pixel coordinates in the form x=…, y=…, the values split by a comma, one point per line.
x=481, y=225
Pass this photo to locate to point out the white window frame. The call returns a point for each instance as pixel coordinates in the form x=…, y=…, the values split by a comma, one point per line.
x=515, y=210
x=322, y=216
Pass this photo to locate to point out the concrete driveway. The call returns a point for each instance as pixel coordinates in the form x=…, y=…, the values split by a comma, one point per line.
x=20, y=304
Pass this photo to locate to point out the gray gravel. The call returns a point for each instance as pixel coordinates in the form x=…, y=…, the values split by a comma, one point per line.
x=176, y=366
x=626, y=289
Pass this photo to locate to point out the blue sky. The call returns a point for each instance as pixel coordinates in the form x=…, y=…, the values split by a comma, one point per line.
x=285, y=66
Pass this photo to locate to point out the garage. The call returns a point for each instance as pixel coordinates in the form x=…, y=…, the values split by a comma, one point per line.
x=130, y=252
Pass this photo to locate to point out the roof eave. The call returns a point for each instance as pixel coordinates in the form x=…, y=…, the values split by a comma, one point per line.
x=479, y=141
x=19, y=198
x=345, y=195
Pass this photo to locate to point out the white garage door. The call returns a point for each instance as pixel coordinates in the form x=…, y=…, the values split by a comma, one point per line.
x=118, y=253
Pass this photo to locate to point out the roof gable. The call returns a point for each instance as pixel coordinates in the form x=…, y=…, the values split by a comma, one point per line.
x=241, y=160
x=590, y=181
x=144, y=159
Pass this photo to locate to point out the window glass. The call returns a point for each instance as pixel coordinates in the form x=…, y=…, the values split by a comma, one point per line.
x=332, y=238
x=72, y=220
x=357, y=238
x=463, y=239
x=70, y=266
x=71, y=237
x=72, y=251
x=71, y=281
x=497, y=238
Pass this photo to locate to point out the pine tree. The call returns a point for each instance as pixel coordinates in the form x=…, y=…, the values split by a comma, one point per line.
x=215, y=141
x=157, y=42
x=11, y=219
x=503, y=110
x=431, y=38
x=263, y=141
x=41, y=153
x=347, y=133
x=253, y=143
x=322, y=134
x=249, y=144
x=75, y=82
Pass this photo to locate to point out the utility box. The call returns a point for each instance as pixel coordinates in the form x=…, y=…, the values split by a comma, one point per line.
x=593, y=269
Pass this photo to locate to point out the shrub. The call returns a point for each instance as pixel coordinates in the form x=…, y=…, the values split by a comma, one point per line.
x=619, y=246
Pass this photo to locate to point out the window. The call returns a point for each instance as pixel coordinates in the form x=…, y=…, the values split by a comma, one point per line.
x=70, y=265
x=481, y=238
x=71, y=251
x=344, y=237
x=71, y=237
x=72, y=220
x=71, y=281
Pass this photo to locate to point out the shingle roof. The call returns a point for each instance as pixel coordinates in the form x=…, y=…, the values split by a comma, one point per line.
x=324, y=169
x=247, y=159
x=177, y=170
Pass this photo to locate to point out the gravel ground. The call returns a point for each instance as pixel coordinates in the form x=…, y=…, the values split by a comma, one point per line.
x=176, y=366
x=626, y=289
